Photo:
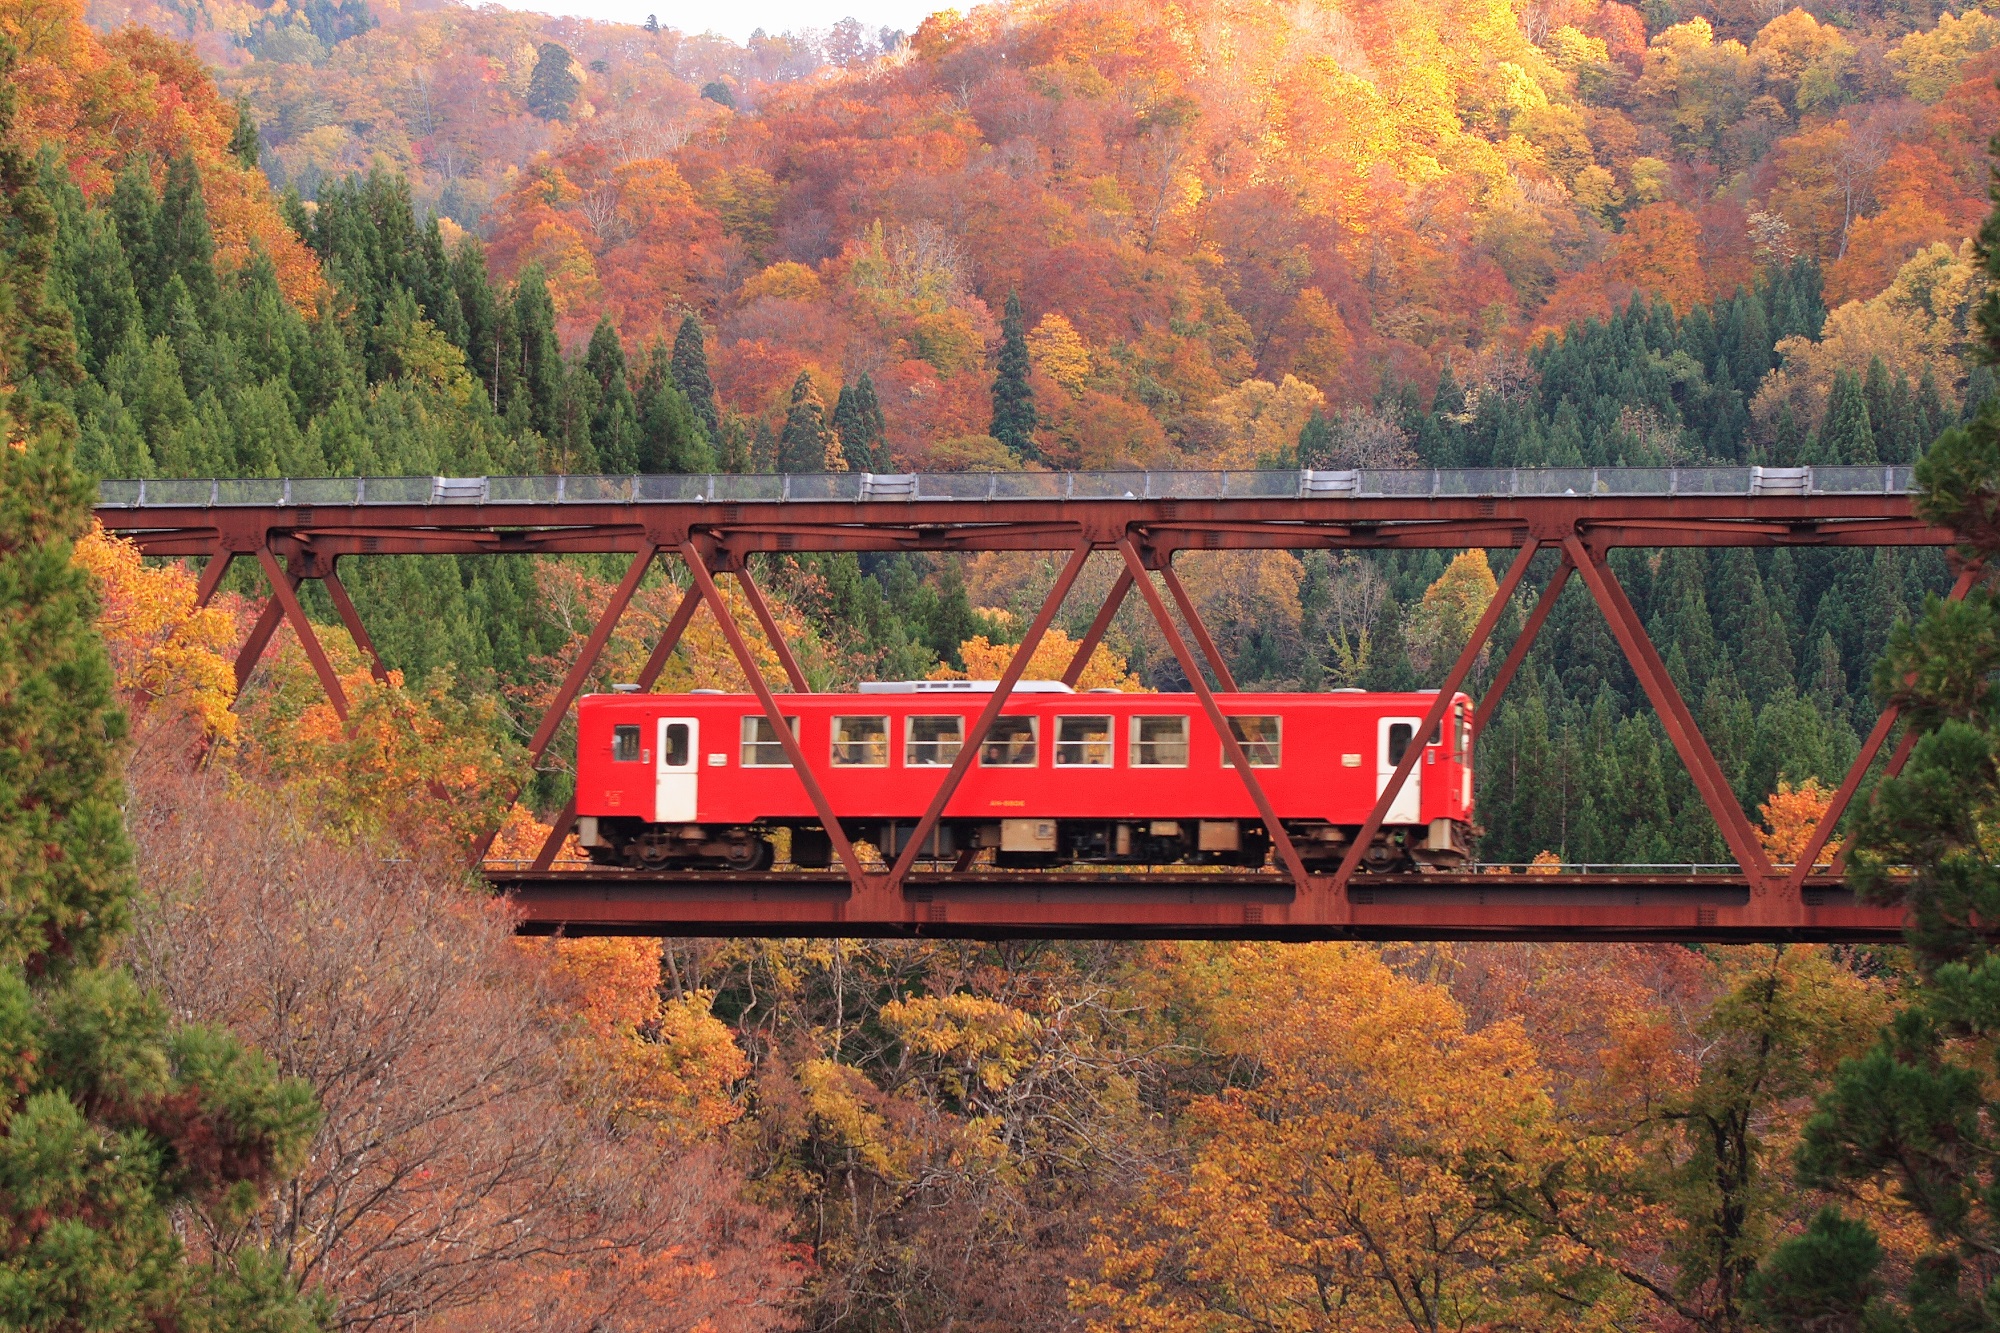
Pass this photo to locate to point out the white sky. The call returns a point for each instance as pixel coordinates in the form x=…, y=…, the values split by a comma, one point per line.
x=736, y=21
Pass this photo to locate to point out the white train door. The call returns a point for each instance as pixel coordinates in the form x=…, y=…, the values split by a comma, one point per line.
x=1393, y=738
x=676, y=770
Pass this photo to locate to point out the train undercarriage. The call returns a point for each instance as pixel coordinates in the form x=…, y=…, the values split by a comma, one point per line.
x=1021, y=844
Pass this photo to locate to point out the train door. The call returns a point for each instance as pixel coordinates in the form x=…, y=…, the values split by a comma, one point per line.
x=675, y=770
x=1394, y=736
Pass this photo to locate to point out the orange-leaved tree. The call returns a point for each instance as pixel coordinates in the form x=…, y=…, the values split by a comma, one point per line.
x=986, y=660
x=1790, y=816
x=651, y=1064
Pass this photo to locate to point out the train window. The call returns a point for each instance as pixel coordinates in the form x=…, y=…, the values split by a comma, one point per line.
x=1461, y=733
x=1262, y=739
x=1010, y=743
x=625, y=745
x=932, y=741
x=1400, y=735
x=861, y=742
x=761, y=746
x=677, y=745
x=1159, y=742
x=1083, y=742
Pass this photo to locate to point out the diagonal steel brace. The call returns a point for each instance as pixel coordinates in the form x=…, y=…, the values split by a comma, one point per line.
x=857, y=879
x=1877, y=735
x=1476, y=644
x=1281, y=841
x=559, y=829
x=976, y=737
x=1531, y=629
x=1671, y=709
x=285, y=596
x=1093, y=636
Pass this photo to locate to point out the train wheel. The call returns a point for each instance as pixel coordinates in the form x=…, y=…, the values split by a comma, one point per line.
x=756, y=854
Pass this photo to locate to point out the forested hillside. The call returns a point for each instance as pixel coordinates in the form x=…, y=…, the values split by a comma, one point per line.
x=362, y=239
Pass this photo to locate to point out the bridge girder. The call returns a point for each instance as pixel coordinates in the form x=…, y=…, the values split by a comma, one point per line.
x=294, y=543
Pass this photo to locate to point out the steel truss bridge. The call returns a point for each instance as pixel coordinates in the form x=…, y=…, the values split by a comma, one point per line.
x=300, y=529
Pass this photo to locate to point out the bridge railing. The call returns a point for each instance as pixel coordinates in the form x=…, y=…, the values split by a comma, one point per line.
x=709, y=488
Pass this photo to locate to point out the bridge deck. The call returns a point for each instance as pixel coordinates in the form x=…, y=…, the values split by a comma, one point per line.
x=1719, y=908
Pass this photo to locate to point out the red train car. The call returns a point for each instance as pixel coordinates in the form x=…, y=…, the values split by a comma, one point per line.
x=701, y=780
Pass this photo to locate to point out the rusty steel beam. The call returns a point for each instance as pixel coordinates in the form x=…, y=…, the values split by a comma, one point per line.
x=864, y=892
x=587, y=655
x=1430, y=522
x=648, y=674
x=252, y=650
x=343, y=606
x=211, y=575
x=1176, y=904
x=1223, y=679
x=284, y=592
x=1482, y=630
x=1281, y=841
x=579, y=672
x=1099, y=625
x=1531, y=629
x=790, y=663
x=1672, y=710
x=968, y=749
x=1489, y=535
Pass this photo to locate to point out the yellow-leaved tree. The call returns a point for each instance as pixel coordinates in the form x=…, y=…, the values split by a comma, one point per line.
x=164, y=649
x=1341, y=1183
x=1442, y=623
x=986, y=660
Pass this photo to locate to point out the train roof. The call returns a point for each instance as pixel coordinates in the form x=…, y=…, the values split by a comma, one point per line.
x=959, y=687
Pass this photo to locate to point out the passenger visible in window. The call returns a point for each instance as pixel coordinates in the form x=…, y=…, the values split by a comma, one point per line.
x=1010, y=744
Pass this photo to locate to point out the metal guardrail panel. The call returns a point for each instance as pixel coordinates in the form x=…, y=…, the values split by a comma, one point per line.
x=1331, y=485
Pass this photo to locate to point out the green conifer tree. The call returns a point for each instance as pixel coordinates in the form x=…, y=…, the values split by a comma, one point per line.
x=243, y=139
x=614, y=415
x=1918, y=1112
x=807, y=442
x=1752, y=355
x=1316, y=439
x=134, y=205
x=479, y=315
x=1979, y=390
x=1013, y=398
x=183, y=245
x=113, y=1124
x=691, y=374
x=857, y=419
x=1845, y=435
x=554, y=85
x=1878, y=392
x=540, y=366
x=1930, y=412
x=671, y=438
